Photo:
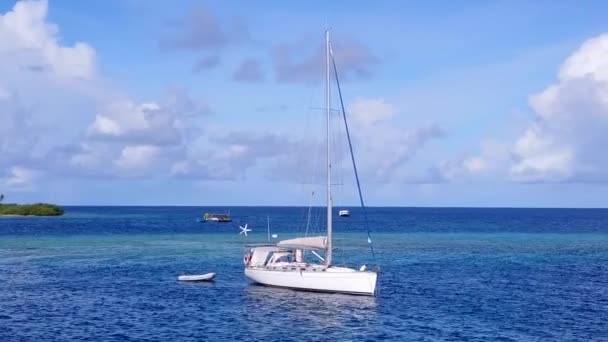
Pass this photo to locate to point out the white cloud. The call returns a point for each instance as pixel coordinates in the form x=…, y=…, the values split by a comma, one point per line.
x=31, y=42
x=4, y=93
x=565, y=142
x=301, y=61
x=587, y=61
x=105, y=126
x=86, y=159
x=371, y=111
x=115, y=135
x=384, y=145
x=20, y=177
x=137, y=158
x=231, y=156
x=475, y=164
x=136, y=122
x=44, y=85
x=120, y=136
x=491, y=162
x=165, y=122
x=60, y=116
x=541, y=157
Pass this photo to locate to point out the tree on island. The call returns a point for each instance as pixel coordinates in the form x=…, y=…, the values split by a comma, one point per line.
x=1, y=197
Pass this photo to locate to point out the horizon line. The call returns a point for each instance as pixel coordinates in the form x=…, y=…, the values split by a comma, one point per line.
x=318, y=206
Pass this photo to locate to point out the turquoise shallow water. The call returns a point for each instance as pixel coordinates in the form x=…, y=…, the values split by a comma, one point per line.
x=447, y=274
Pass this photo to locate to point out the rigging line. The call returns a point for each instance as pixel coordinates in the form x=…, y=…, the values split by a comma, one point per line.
x=337, y=190
x=310, y=223
x=309, y=210
x=308, y=185
x=352, y=156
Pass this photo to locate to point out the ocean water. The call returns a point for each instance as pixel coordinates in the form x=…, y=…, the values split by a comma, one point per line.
x=110, y=274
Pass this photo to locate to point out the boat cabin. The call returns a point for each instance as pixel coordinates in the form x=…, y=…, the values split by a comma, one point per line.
x=284, y=253
x=274, y=257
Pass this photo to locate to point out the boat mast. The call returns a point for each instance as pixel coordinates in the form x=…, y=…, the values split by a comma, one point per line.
x=328, y=254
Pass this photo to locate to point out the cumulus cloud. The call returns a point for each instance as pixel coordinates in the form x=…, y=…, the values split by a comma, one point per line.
x=230, y=156
x=137, y=158
x=136, y=123
x=491, y=162
x=4, y=93
x=93, y=159
x=19, y=177
x=38, y=74
x=303, y=61
x=58, y=115
x=131, y=139
x=564, y=143
x=385, y=146
x=249, y=70
x=110, y=134
x=31, y=103
x=17, y=132
x=206, y=63
x=202, y=29
x=368, y=112
x=29, y=42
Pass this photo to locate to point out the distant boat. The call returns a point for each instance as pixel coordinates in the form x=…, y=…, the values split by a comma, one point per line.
x=197, y=277
x=344, y=213
x=217, y=217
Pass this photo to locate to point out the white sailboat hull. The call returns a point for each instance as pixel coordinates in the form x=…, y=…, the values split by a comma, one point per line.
x=333, y=279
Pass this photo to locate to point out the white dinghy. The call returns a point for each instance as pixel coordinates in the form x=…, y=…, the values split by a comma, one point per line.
x=196, y=277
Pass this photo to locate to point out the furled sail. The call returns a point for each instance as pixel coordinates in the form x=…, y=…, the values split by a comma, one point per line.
x=312, y=242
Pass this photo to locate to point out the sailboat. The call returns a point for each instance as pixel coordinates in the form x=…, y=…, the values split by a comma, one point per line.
x=282, y=264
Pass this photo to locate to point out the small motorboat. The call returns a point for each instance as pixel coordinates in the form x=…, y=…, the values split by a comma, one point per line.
x=344, y=213
x=196, y=277
x=216, y=217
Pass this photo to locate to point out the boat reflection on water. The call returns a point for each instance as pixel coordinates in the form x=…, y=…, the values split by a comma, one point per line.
x=197, y=283
x=312, y=310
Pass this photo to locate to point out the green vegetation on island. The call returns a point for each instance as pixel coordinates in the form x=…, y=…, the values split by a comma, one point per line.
x=37, y=209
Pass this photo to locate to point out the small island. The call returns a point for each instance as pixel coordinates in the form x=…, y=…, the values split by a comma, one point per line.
x=37, y=209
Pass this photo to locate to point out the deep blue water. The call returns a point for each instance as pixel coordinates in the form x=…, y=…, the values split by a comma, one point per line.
x=449, y=274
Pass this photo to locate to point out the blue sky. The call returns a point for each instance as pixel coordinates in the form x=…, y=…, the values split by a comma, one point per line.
x=473, y=103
